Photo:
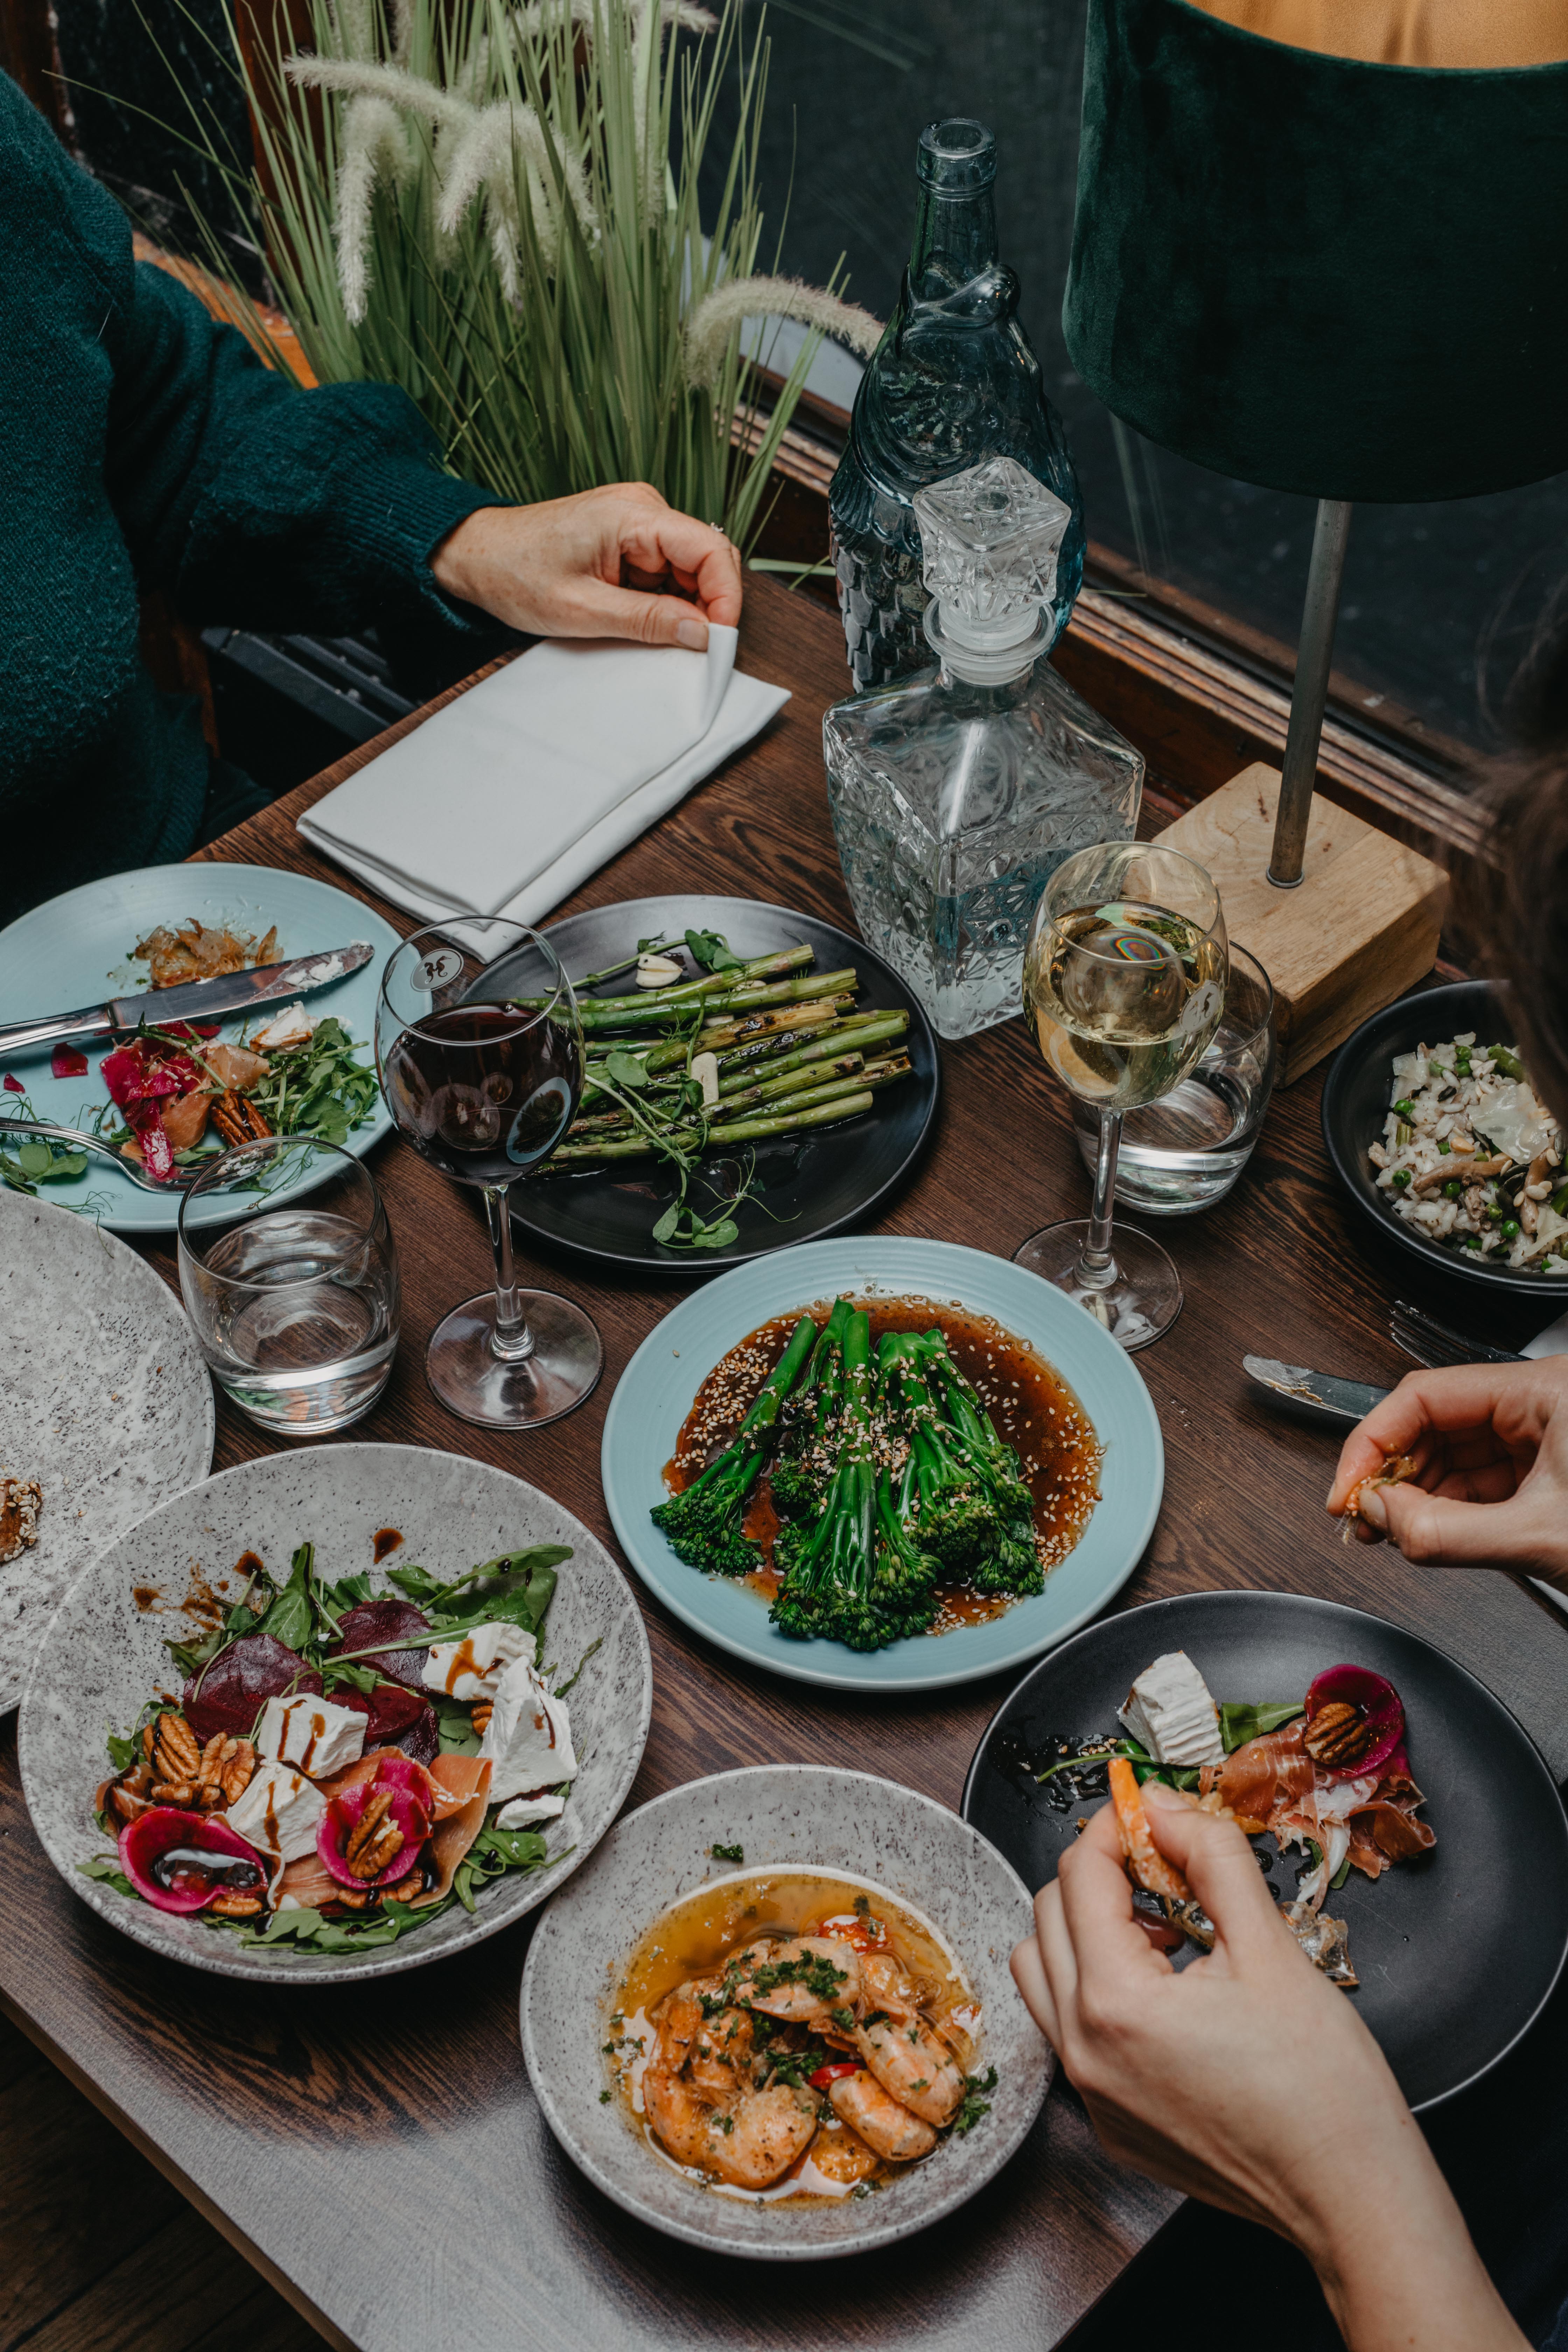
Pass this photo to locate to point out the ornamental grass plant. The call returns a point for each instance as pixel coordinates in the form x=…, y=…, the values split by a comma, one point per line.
x=496, y=207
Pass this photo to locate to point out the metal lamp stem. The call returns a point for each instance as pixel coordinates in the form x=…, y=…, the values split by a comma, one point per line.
x=1310, y=692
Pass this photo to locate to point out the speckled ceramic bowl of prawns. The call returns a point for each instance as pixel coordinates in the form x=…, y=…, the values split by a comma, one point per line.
x=780, y=1821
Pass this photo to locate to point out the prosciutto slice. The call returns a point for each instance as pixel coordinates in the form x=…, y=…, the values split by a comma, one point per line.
x=1270, y=1774
x=1272, y=1784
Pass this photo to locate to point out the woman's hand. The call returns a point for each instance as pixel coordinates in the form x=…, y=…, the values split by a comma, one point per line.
x=1248, y=2080
x=612, y=562
x=1491, y=1446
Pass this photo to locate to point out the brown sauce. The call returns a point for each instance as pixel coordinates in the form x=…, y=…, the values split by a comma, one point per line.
x=207, y=1607
x=146, y=1597
x=386, y=1539
x=248, y=1565
x=1030, y=1405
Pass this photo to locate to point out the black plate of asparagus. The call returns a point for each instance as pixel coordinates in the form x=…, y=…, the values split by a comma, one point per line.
x=775, y=1086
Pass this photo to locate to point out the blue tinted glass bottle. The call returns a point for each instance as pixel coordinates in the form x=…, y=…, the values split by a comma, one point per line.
x=953, y=380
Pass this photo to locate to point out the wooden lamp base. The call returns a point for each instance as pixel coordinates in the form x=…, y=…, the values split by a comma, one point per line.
x=1360, y=927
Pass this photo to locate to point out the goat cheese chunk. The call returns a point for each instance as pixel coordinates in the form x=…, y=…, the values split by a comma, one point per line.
x=293, y=1026
x=316, y=1735
x=278, y=1812
x=526, y=1812
x=472, y=1668
x=1169, y=1711
x=528, y=1737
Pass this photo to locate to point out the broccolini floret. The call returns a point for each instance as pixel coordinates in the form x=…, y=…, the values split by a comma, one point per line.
x=798, y=1479
x=961, y=1491
x=704, y=1525
x=837, y=1586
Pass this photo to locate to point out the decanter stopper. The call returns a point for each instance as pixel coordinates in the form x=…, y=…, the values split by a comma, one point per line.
x=990, y=537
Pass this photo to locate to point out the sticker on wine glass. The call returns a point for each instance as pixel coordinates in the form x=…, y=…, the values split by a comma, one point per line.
x=438, y=970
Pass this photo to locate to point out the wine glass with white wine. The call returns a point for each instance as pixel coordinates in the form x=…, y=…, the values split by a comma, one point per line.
x=1124, y=979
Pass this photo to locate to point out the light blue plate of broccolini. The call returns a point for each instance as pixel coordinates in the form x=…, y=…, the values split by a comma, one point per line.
x=848, y=1559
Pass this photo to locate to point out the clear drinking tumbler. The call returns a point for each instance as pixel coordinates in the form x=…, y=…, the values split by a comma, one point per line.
x=294, y=1298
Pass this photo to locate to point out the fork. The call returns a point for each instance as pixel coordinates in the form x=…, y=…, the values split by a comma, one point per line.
x=1433, y=1343
x=74, y=1136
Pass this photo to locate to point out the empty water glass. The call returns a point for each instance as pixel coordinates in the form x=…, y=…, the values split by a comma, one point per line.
x=1186, y=1150
x=294, y=1297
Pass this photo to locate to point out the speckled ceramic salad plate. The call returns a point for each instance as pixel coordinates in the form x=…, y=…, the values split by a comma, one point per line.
x=104, y=1402
x=104, y=1654
x=783, y=1819
x=656, y=1392
x=76, y=951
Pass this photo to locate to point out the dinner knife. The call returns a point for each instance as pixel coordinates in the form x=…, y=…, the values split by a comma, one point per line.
x=194, y=1000
x=1319, y=1393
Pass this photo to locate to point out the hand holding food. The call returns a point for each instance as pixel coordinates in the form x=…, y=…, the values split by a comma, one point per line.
x=1246, y=2080
x=1486, y=1484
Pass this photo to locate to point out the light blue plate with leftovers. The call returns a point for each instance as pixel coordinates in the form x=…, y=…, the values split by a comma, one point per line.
x=75, y=952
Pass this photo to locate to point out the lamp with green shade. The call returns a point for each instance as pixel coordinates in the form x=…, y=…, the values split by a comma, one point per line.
x=1339, y=274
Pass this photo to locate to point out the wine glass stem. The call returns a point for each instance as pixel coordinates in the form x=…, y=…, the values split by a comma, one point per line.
x=1097, y=1266
x=511, y=1341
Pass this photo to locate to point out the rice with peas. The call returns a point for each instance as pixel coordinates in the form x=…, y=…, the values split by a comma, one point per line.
x=1471, y=1159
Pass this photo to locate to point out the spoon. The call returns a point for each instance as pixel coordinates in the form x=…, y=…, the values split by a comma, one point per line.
x=74, y=1136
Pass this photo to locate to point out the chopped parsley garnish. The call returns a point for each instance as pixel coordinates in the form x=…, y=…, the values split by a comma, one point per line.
x=736, y=1853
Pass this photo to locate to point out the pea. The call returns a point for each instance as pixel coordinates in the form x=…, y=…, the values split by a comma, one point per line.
x=1405, y=1107
x=1443, y=1145
x=1400, y=1178
x=1452, y=1189
x=1509, y=1229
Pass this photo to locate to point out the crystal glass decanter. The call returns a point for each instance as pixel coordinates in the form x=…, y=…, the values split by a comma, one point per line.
x=953, y=380
x=956, y=793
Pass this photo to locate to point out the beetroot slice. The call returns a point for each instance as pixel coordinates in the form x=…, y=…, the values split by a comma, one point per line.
x=371, y=1622
x=228, y=1695
x=395, y=1718
x=159, y=1829
x=68, y=1062
x=1379, y=1705
x=406, y=1812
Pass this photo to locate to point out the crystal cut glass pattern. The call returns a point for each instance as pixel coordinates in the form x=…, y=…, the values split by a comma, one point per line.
x=990, y=537
x=953, y=806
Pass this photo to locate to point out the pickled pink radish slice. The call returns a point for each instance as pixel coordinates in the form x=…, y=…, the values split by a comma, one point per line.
x=405, y=1812
x=165, y=1829
x=1381, y=1707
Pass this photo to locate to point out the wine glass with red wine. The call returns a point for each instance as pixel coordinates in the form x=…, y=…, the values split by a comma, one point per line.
x=479, y=1043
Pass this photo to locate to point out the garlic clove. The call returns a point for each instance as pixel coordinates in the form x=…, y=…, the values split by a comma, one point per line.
x=658, y=970
x=705, y=1070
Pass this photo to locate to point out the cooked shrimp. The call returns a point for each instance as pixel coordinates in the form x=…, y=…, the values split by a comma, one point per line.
x=758, y=2138
x=886, y=2126
x=1146, y=1865
x=802, y=1979
x=720, y=2058
x=886, y=1984
x=910, y=2064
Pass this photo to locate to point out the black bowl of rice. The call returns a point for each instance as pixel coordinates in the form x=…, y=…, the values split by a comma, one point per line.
x=1444, y=1147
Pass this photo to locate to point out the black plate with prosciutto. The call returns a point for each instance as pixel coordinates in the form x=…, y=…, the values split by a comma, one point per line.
x=1457, y=1950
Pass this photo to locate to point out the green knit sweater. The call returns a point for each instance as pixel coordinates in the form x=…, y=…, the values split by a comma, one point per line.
x=143, y=447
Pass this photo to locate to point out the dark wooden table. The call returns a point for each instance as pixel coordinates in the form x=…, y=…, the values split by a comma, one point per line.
x=380, y=2155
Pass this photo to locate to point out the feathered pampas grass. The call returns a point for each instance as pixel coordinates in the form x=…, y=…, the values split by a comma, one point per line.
x=496, y=205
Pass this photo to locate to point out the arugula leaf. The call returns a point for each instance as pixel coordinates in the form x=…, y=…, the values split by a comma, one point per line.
x=516, y=1587
x=1241, y=1720
x=318, y=1089
x=455, y=1728
x=415, y=1583
x=123, y=1753
x=346, y=1594
x=292, y=1618
x=518, y=1849
x=109, y=1872
x=335, y=1674
x=597, y=1643
x=712, y=951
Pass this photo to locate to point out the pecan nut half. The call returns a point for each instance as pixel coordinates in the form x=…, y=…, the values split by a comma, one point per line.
x=238, y=1120
x=373, y=1840
x=233, y=1903
x=226, y=1769
x=175, y=1754
x=1339, y=1735
x=482, y=1714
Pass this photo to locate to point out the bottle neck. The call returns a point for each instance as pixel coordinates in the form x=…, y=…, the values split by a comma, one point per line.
x=954, y=243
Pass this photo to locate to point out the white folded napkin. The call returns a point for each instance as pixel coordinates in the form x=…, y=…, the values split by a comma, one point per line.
x=507, y=799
